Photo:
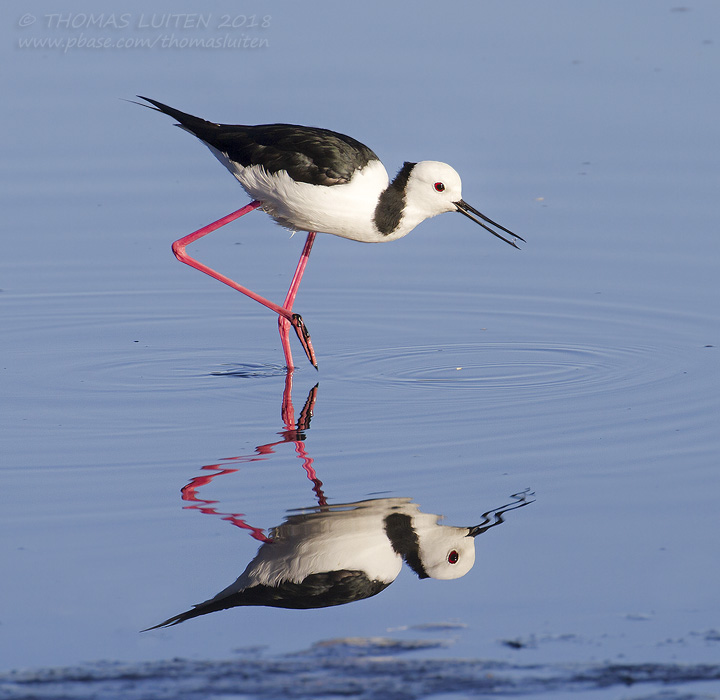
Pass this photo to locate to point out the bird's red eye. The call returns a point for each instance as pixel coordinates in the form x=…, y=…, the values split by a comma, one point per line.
x=439, y=187
x=453, y=557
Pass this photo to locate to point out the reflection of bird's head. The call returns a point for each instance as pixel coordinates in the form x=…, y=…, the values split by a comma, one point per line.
x=431, y=550
x=446, y=552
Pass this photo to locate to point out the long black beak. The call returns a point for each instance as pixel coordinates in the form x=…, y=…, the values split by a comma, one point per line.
x=464, y=208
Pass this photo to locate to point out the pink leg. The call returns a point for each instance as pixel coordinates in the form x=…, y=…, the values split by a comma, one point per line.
x=283, y=324
x=285, y=314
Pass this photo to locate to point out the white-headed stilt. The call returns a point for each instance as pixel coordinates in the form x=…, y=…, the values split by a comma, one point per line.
x=316, y=180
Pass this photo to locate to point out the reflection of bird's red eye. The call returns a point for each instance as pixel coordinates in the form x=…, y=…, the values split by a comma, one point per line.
x=439, y=187
x=453, y=557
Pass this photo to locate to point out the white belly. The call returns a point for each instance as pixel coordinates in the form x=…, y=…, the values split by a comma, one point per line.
x=342, y=210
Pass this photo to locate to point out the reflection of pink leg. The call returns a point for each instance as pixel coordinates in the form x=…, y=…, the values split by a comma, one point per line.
x=293, y=431
x=286, y=315
x=310, y=471
x=189, y=493
x=283, y=323
x=288, y=410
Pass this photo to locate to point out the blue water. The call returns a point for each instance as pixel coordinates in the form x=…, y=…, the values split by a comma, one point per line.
x=453, y=370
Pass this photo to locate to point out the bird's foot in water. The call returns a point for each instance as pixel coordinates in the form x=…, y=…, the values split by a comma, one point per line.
x=304, y=336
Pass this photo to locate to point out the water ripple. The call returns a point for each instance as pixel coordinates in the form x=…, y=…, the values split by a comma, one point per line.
x=534, y=369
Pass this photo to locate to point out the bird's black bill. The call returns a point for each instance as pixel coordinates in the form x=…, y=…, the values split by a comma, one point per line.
x=464, y=208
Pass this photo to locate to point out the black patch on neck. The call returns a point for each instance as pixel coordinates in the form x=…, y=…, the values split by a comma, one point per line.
x=392, y=202
x=404, y=540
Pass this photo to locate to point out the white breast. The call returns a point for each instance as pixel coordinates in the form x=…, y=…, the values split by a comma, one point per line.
x=342, y=210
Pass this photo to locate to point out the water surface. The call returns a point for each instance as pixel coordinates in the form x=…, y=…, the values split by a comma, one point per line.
x=454, y=371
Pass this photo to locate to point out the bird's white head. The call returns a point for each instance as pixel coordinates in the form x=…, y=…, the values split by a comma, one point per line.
x=433, y=188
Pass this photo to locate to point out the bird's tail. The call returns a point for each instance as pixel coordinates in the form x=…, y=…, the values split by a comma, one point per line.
x=194, y=125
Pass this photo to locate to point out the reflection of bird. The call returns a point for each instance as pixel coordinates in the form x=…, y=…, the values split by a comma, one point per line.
x=337, y=554
x=316, y=180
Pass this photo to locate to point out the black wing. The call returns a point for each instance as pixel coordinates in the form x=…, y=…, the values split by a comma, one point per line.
x=308, y=154
x=321, y=590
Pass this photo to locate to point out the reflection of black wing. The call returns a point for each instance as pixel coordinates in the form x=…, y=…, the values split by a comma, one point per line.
x=315, y=591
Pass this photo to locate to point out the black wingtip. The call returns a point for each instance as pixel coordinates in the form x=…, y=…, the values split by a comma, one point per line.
x=154, y=104
x=172, y=621
x=140, y=104
x=195, y=125
x=160, y=107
